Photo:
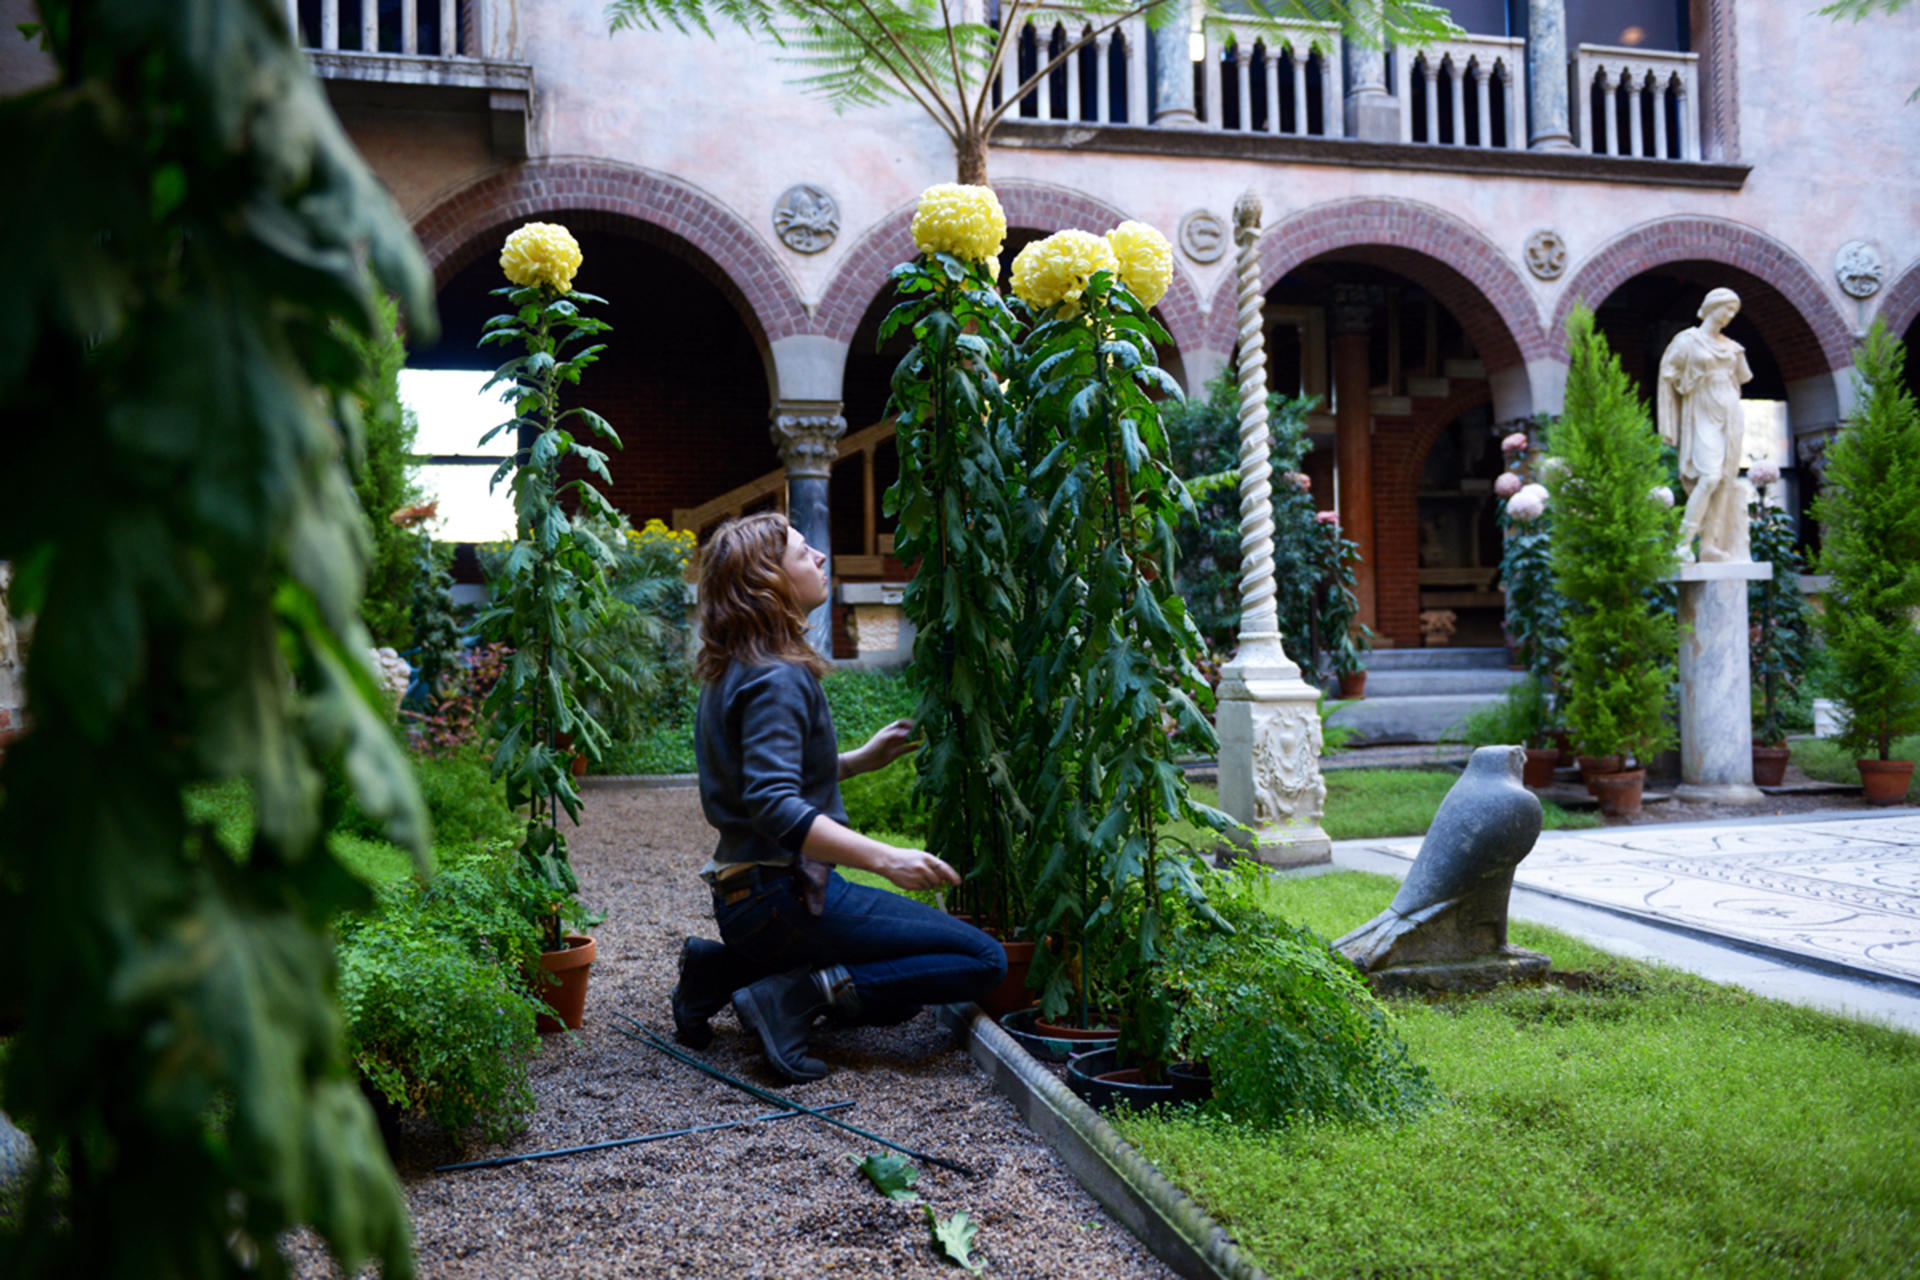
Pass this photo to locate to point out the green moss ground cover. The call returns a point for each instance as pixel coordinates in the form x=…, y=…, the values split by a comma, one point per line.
x=1824, y=759
x=1651, y=1125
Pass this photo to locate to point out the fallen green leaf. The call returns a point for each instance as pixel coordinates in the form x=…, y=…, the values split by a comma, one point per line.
x=953, y=1239
x=892, y=1176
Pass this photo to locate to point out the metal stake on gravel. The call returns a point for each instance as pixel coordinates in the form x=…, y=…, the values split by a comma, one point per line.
x=498, y=1161
x=647, y=1037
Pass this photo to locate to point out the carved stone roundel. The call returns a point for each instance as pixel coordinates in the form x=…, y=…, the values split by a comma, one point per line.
x=806, y=218
x=1203, y=235
x=1858, y=268
x=1546, y=254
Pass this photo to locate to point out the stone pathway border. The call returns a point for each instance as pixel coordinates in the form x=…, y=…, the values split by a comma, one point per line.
x=1161, y=1216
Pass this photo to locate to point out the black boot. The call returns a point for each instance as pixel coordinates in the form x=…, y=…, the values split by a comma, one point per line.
x=709, y=972
x=780, y=1009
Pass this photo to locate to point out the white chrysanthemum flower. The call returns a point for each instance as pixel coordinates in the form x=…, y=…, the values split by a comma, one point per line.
x=1529, y=504
x=965, y=221
x=1763, y=473
x=1661, y=494
x=541, y=253
x=1145, y=258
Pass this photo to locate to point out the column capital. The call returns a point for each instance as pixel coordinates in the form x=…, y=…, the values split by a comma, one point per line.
x=807, y=434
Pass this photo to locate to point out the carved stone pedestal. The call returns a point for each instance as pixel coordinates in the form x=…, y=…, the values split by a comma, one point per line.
x=1716, y=708
x=1269, y=723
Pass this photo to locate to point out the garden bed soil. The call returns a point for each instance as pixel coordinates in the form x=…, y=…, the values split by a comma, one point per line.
x=771, y=1200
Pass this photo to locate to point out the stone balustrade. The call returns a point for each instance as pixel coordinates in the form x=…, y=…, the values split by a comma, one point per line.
x=1104, y=84
x=1470, y=92
x=1636, y=102
x=434, y=28
x=1284, y=82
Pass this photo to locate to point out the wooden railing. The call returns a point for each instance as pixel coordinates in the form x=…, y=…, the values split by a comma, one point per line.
x=753, y=495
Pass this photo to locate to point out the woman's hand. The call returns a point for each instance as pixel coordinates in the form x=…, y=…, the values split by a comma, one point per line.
x=881, y=750
x=914, y=869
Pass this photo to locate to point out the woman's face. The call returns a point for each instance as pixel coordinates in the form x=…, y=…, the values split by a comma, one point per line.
x=806, y=569
x=1722, y=315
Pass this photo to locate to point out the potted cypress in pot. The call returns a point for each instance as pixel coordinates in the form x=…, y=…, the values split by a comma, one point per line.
x=1782, y=635
x=1869, y=510
x=551, y=592
x=1613, y=540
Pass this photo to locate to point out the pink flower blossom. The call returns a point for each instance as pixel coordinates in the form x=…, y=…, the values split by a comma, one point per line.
x=1514, y=443
x=1661, y=494
x=1763, y=473
x=1301, y=481
x=1327, y=517
x=1507, y=485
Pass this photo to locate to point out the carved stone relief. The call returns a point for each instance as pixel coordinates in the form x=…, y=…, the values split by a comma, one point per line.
x=806, y=218
x=1287, y=786
x=1203, y=236
x=1546, y=254
x=1858, y=268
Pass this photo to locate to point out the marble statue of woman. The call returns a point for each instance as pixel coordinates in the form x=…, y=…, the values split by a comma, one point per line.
x=1699, y=414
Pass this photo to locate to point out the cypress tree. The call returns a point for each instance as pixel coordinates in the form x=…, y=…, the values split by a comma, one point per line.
x=1870, y=512
x=1612, y=546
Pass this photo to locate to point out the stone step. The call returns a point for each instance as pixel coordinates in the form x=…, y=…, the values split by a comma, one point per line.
x=1408, y=719
x=1432, y=682
x=1441, y=658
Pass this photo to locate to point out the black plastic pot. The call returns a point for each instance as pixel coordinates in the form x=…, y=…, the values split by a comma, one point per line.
x=1103, y=1084
x=1019, y=1025
x=1192, y=1082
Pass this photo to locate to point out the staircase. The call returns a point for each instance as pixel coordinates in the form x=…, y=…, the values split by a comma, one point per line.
x=1416, y=695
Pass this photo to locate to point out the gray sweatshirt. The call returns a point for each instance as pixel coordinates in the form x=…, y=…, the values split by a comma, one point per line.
x=769, y=762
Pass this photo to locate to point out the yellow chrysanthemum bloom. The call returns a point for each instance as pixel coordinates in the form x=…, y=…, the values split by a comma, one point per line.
x=1146, y=260
x=964, y=221
x=1056, y=270
x=541, y=253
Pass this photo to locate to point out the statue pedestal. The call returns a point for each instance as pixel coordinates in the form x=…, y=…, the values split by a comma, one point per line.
x=1269, y=724
x=1716, y=688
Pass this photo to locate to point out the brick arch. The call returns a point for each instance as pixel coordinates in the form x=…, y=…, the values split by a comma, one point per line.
x=1396, y=506
x=1461, y=268
x=649, y=206
x=1028, y=204
x=1782, y=295
x=1901, y=306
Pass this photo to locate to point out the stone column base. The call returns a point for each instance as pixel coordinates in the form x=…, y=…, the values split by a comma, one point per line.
x=1719, y=793
x=1269, y=723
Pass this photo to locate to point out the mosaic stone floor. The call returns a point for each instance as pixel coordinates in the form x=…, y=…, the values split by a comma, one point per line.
x=1845, y=891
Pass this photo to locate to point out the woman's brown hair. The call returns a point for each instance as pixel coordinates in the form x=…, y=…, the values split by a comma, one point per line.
x=747, y=610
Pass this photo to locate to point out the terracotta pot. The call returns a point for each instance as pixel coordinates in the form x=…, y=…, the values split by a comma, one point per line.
x=1354, y=685
x=1538, y=771
x=1769, y=765
x=1618, y=793
x=1067, y=1031
x=1012, y=993
x=568, y=1000
x=1591, y=765
x=1886, y=781
x=1564, y=745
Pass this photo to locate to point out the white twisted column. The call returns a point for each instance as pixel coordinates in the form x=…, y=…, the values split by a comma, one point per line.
x=1268, y=719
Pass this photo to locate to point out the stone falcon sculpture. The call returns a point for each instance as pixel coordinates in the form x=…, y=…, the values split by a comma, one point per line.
x=1446, y=930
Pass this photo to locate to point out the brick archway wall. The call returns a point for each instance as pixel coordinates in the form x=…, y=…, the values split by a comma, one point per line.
x=1043, y=208
x=1802, y=327
x=1461, y=268
x=680, y=218
x=1901, y=307
x=1400, y=448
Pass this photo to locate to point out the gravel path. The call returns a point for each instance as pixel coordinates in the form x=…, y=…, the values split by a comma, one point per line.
x=779, y=1200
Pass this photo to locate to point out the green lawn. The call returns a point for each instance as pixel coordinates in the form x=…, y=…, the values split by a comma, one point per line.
x=1382, y=802
x=1654, y=1126
x=1822, y=759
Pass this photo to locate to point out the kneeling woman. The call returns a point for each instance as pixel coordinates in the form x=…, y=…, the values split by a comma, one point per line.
x=798, y=940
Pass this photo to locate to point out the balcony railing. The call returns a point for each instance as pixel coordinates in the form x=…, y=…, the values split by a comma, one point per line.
x=1633, y=102
x=1470, y=92
x=1105, y=83
x=1258, y=80
x=438, y=28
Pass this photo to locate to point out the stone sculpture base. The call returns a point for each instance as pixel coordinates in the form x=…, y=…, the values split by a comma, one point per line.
x=1269, y=724
x=1716, y=708
x=1516, y=966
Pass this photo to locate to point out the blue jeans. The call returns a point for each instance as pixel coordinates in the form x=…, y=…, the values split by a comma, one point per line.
x=901, y=954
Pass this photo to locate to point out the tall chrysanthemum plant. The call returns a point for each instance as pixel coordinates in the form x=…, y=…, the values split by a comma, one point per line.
x=1869, y=511
x=1536, y=610
x=1111, y=659
x=1612, y=547
x=1777, y=612
x=552, y=587
x=958, y=472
